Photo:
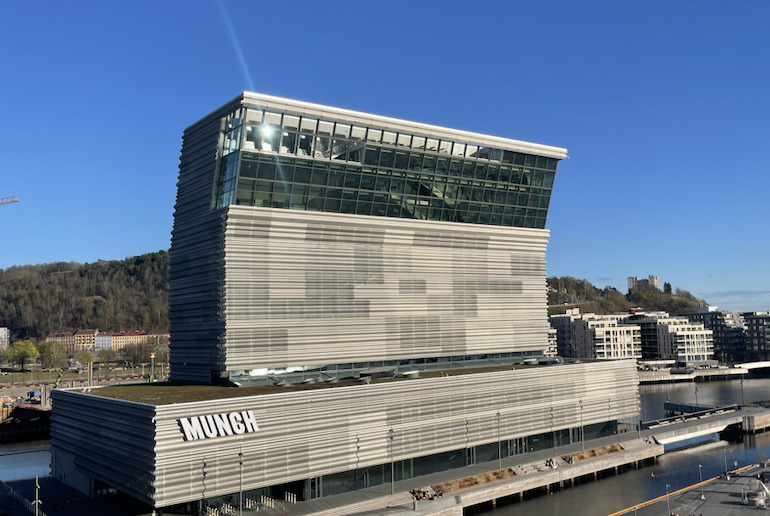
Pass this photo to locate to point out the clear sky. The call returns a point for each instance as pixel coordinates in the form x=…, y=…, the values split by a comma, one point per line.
x=663, y=106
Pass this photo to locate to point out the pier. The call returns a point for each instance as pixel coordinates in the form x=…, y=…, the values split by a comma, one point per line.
x=740, y=491
x=696, y=375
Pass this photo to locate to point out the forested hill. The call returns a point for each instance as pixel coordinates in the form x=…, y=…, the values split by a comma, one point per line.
x=131, y=294
x=568, y=292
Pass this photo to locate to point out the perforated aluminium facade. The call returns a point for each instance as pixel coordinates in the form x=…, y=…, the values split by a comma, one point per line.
x=310, y=237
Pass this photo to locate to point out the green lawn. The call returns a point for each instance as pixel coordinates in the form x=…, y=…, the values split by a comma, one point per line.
x=9, y=376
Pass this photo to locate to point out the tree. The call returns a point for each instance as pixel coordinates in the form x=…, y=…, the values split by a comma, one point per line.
x=106, y=355
x=53, y=355
x=38, y=299
x=161, y=349
x=137, y=354
x=667, y=288
x=84, y=357
x=21, y=352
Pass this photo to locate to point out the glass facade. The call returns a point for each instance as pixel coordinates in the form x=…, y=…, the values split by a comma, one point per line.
x=281, y=160
x=347, y=481
x=363, y=478
x=300, y=374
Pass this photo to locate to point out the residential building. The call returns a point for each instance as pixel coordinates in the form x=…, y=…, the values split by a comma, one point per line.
x=317, y=244
x=596, y=336
x=84, y=340
x=730, y=342
x=121, y=339
x=552, y=350
x=158, y=337
x=66, y=339
x=664, y=337
x=103, y=340
x=757, y=333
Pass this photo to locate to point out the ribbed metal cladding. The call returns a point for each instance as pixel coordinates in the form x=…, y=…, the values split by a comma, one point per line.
x=311, y=433
x=254, y=288
x=196, y=250
x=110, y=440
x=310, y=288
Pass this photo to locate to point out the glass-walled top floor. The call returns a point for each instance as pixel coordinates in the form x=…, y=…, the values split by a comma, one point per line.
x=304, y=163
x=286, y=133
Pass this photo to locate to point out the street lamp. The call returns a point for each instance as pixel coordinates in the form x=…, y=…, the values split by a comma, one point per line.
x=700, y=474
x=240, y=482
x=696, y=397
x=37, y=501
x=668, y=502
x=499, y=448
x=555, y=444
x=724, y=453
x=392, y=468
x=582, y=428
x=742, y=400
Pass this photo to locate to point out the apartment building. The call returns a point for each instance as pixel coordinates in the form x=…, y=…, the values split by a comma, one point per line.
x=596, y=336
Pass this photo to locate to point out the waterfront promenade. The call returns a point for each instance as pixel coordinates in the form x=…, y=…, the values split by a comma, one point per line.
x=531, y=473
x=530, y=468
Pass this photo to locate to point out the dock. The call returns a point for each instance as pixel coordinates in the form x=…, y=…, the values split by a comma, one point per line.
x=697, y=375
x=741, y=491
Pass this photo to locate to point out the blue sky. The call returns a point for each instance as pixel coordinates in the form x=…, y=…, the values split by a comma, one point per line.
x=663, y=106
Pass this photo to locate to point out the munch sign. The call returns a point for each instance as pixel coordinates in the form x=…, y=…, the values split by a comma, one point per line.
x=218, y=425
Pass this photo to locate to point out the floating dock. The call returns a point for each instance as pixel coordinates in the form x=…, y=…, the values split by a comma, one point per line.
x=741, y=491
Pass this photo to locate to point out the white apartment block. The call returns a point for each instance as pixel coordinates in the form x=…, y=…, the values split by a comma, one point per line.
x=675, y=338
x=597, y=336
x=552, y=350
x=103, y=340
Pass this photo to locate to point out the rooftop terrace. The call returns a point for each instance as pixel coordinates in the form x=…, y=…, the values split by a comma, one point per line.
x=166, y=394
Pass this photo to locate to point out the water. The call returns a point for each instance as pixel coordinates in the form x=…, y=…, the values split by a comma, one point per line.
x=678, y=469
x=24, y=460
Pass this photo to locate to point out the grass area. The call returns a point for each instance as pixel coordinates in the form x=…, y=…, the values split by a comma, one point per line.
x=475, y=480
x=165, y=394
x=9, y=376
x=592, y=453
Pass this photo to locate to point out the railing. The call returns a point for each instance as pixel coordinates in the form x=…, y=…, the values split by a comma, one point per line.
x=712, y=411
x=30, y=506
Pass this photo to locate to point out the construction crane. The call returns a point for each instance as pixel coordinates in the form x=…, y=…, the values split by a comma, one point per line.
x=8, y=200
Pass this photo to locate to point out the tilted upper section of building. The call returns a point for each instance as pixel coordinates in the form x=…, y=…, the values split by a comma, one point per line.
x=311, y=238
x=288, y=154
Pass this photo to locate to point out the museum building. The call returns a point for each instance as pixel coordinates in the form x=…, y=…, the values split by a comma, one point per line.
x=363, y=298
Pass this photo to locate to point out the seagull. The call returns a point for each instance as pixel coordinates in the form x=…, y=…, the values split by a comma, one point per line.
x=652, y=474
